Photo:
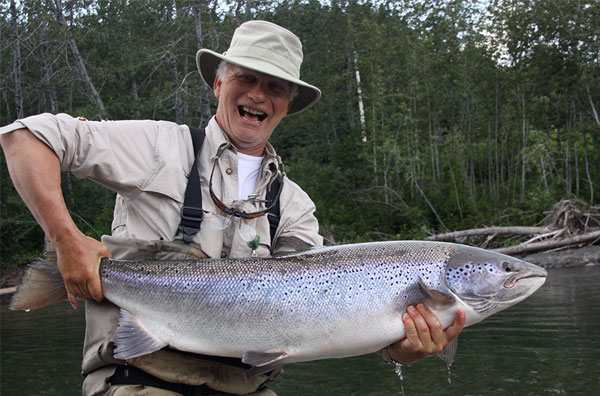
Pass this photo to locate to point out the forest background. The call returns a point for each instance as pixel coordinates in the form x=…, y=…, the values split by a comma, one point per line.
x=436, y=115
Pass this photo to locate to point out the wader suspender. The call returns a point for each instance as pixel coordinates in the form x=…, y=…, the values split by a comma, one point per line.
x=191, y=211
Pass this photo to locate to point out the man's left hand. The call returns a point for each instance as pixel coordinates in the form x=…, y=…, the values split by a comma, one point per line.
x=424, y=334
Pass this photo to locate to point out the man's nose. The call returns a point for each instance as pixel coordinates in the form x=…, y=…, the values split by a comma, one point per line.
x=257, y=93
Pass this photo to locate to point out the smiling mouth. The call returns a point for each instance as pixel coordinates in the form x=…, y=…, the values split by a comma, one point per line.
x=251, y=114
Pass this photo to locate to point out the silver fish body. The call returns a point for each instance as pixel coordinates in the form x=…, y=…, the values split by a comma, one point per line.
x=327, y=302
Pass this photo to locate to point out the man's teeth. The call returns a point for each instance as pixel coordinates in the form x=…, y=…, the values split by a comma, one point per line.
x=252, y=111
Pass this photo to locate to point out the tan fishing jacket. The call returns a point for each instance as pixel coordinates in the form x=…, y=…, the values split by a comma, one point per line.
x=147, y=163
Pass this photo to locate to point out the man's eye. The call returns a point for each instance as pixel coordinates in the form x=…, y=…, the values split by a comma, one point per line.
x=277, y=88
x=247, y=78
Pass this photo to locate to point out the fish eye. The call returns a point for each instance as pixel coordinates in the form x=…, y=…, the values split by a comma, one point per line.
x=507, y=267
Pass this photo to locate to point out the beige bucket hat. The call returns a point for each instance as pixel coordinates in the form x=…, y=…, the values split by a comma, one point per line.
x=266, y=48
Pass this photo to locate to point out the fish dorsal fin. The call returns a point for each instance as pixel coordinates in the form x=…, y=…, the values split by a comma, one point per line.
x=291, y=245
x=132, y=339
x=262, y=362
x=448, y=353
x=435, y=297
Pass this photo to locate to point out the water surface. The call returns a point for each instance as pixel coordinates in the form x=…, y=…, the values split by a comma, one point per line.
x=548, y=344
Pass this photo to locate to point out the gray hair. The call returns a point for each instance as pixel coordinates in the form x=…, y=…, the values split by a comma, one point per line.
x=224, y=69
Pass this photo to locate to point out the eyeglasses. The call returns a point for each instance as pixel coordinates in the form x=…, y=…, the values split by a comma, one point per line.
x=240, y=213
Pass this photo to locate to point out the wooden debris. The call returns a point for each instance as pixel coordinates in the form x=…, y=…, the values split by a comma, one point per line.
x=574, y=241
x=569, y=223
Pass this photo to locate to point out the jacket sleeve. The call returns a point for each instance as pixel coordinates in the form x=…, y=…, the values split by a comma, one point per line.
x=124, y=156
x=298, y=226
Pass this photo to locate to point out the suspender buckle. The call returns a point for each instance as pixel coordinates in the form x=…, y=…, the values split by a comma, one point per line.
x=191, y=213
x=191, y=217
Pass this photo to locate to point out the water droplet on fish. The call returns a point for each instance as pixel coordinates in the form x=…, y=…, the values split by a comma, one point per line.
x=399, y=373
x=449, y=373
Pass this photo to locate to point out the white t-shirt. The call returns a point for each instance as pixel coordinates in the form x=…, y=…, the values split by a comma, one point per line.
x=248, y=168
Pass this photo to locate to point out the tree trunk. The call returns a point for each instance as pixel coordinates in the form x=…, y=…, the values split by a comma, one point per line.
x=361, y=107
x=551, y=244
x=589, y=177
x=497, y=143
x=517, y=230
x=136, y=98
x=576, y=158
x=593, y=106
x=543, y=169
x=374, y=138
x=205, y=92
x=460, y=213
x=177, y=94
x=46, y=69
x=57, y=6
x=16, y=48
x=524, y=132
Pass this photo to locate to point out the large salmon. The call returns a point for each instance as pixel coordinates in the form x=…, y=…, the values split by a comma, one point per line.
x=327, y=302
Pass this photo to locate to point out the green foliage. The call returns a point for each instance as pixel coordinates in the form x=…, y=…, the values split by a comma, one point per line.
x=472, y=117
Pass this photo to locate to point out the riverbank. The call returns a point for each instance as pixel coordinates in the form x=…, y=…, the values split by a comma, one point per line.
x=579, y=257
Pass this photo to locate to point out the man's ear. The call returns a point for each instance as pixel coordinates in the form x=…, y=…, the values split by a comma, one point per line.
x=217, y=86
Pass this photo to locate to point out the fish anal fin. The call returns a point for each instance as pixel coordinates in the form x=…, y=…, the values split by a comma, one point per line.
x=448, y=353
x=262, y=362
x=132, y=339
x=435, y=297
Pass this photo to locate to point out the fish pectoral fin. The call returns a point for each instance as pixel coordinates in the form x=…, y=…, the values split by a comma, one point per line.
x=132, y=339
x=259, y=359
x=435, y=297
x=262, y=362
x=448, y=353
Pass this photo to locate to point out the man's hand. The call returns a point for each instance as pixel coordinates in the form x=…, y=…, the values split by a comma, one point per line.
x=424, y=334
x=79, y=261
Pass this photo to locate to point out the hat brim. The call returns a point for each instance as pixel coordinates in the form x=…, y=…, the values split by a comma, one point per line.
x=208, y=61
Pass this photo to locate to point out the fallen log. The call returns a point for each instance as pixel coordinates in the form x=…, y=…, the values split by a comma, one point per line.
x=550, y=244
x=8, y=290
x=516, y=230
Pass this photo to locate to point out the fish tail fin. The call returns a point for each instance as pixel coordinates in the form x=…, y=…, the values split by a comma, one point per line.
x=41, y=285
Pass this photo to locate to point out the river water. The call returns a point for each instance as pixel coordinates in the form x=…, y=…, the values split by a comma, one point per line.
x=548, y=344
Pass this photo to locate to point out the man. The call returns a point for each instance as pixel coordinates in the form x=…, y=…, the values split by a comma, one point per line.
x=148, y=164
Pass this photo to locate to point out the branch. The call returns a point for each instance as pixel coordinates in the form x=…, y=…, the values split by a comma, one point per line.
x=551, y=244
x=486, y=231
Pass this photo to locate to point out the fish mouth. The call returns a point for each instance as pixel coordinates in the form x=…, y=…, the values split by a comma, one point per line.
x=250, y=114
x=512, y=281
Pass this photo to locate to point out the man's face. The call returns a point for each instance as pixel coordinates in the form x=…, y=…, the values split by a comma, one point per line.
x=251, y=105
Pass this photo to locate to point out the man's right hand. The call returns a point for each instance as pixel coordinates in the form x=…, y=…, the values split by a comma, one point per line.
x=79, y=261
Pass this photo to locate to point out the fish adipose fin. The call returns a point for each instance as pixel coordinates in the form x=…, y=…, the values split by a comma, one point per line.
x=435, y=297
x=448, y=353
x=132, y=339
x=40, y=286
x=262, y=362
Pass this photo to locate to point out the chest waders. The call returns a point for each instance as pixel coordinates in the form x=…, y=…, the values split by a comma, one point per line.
x=225, y=376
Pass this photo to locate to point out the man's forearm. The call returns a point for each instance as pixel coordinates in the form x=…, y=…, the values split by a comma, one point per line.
x=35, y=171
